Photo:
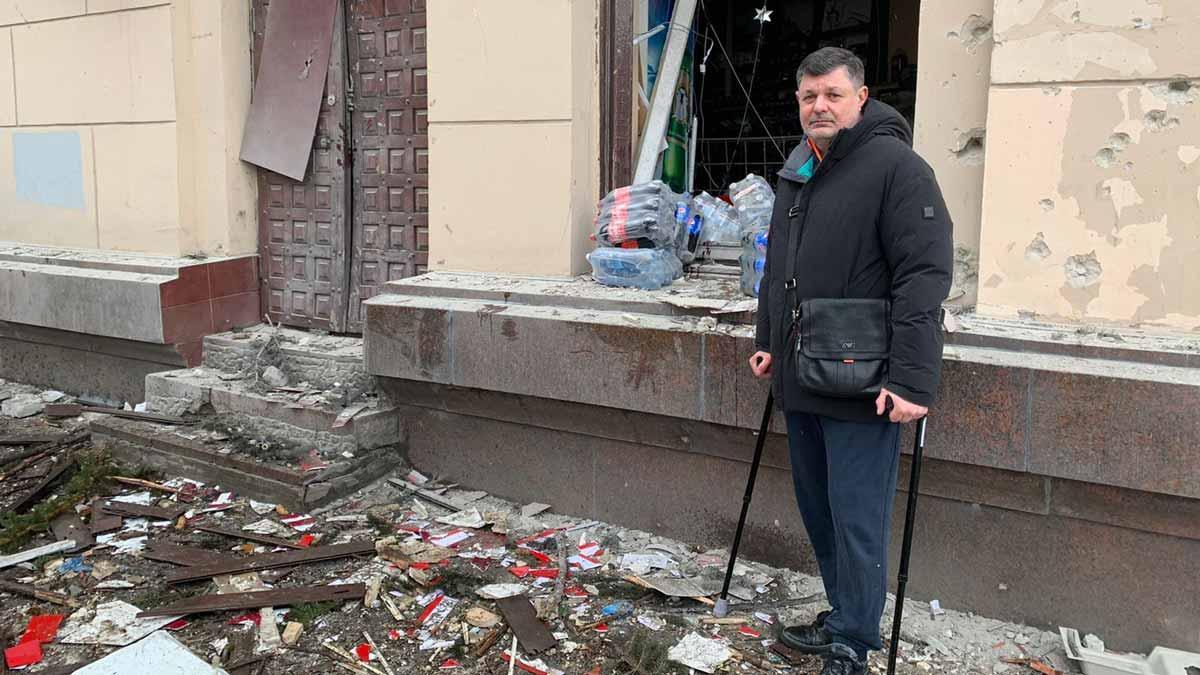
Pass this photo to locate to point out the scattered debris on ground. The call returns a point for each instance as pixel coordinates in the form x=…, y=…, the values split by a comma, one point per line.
x=105, y=565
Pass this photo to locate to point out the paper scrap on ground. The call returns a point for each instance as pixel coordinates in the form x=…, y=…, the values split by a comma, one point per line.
x=531, y=510
x=646, y=561
x=703, y=654
x=160, y=654
x=122, y=546
x=471, y=519
x=261, y=508
x=112, y=623
x=679, y=588
x=450, y=538
x=299, y=522
x=497, y=591
x=266, y=526
x=139, y=498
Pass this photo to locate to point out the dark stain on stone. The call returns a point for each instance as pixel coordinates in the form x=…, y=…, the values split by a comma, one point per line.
x=508, y=328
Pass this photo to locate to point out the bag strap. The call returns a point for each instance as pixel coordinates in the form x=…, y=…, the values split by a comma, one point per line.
x=795, y=235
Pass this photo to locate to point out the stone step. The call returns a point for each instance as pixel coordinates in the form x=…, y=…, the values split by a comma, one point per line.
x=170, y=451
x=310, y=423
x=323, y=361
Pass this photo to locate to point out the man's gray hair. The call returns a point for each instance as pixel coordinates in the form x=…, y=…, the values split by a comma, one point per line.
x=828, y=59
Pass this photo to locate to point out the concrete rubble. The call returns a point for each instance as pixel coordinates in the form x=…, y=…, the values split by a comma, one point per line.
x=432, y=566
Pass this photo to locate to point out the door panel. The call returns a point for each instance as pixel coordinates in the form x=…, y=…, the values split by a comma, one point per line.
x=389, y=89
x=302, y=224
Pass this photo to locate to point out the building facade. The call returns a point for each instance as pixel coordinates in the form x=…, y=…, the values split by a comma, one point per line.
x=457, y=151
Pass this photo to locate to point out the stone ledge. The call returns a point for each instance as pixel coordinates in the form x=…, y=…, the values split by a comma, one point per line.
x=1060, y=416
x=144, y=298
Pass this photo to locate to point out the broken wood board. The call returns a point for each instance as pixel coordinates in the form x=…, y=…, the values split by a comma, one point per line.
x=273, y=598
x=75, y=410
x=35, y=553
x=31, y=591
x=521, y=617
x=265, y=561
x=425, y=494
x=184, y=556
x=29, y=439
x=38, y=490
x=671, y=587
x=69, y=526
x=127, y=510
x=250, y=536
x=101, y=521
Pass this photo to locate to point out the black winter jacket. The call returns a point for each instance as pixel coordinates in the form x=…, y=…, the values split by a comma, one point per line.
x=872, y=224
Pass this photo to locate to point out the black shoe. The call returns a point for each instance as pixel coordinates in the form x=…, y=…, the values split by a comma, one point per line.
x=808, y=639
x=841, y=660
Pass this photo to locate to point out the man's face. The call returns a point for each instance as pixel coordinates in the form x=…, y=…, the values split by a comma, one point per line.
x=829, y=103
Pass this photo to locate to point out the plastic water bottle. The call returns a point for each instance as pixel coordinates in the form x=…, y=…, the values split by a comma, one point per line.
x=645, y=268
x=753, y=260
x=754, y=200
x=687, y=228
x=721, y=225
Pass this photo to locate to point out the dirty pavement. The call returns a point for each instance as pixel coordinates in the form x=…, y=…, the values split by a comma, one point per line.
x=111, y=568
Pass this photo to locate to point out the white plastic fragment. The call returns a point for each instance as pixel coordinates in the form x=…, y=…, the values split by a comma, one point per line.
x=112, y=623
x=160, y=654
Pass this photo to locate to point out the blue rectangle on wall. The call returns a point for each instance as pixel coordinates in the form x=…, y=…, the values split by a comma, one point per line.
x=48, y=167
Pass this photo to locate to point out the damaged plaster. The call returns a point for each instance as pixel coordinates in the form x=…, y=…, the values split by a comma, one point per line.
x=1111, y=175
x=1037, y=250
x=1082, y=270
x=1075, y=40
x=969, y=148
x=975, y=31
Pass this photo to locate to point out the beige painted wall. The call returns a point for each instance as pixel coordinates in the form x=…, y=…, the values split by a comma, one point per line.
x=514, y=134
x=1092, y=202
x=953, y=75
x=140, y=103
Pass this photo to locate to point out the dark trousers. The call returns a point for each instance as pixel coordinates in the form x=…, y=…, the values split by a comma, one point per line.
x=845, y=478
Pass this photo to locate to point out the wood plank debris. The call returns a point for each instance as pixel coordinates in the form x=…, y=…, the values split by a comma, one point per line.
x=149, y=485
x=271, y=560
x=250, y=536
x=45, y=484
x=35, y=553
x=278, y=597
x=676, y=588
x=102, y=521
x=128, y=510
x=425, y=494
x=77, y=409
x=31, y=591
x=29, y=439
x=184, y=556
x=521, y=617
x=69, y=526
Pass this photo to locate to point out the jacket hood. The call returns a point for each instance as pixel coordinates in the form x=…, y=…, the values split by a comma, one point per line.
x=879, y=119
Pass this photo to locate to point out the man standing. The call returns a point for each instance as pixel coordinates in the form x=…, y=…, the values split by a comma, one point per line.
x=858, y=215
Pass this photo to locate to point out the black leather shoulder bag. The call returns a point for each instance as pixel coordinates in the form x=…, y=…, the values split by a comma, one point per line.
x=841, y=345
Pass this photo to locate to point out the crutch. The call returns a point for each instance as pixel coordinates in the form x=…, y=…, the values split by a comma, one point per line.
x=722, y=607
x=914, y=481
